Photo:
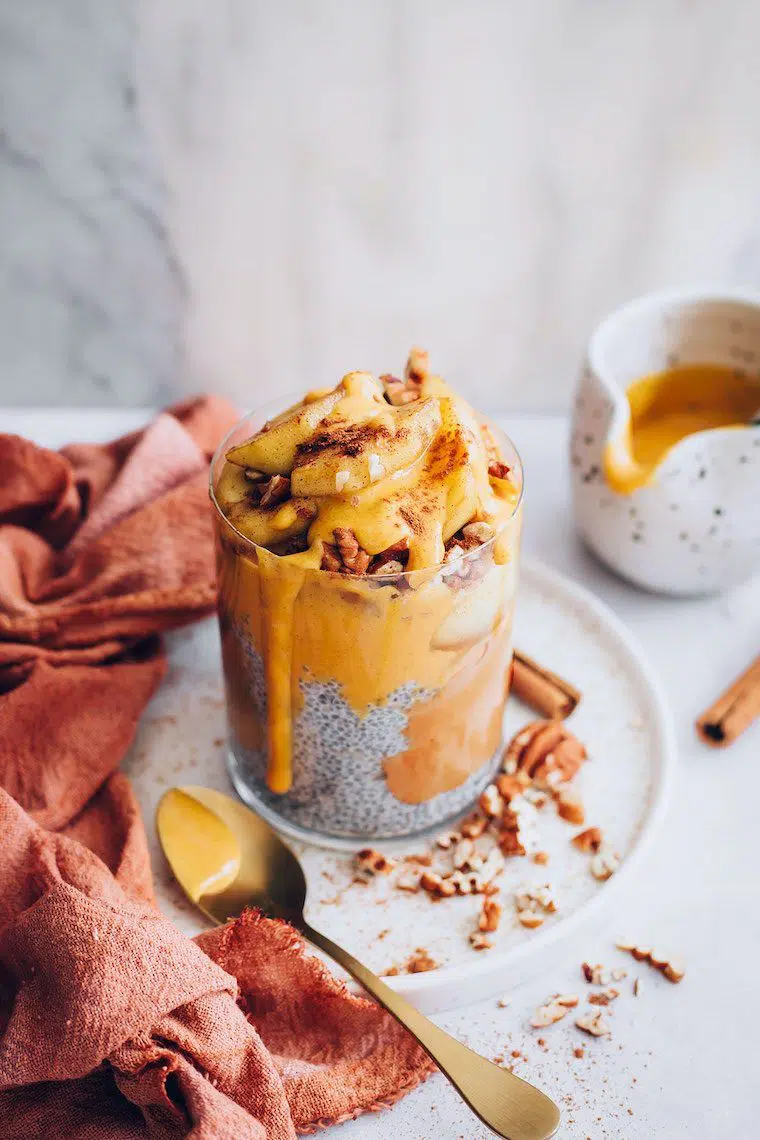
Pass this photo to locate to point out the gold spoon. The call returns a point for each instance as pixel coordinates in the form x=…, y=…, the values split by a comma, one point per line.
x=226, y=858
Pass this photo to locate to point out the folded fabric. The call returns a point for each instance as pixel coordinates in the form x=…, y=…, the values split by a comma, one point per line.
x=112, y=1023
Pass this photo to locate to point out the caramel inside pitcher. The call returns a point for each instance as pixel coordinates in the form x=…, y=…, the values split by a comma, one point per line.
x=666, y=407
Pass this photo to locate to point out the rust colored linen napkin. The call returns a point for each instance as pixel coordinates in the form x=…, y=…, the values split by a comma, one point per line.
x=113, y=1024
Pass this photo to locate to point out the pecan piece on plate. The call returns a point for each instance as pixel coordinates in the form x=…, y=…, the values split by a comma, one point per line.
x=547, y=751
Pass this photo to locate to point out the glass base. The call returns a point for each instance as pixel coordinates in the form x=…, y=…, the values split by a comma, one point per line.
x=451, y=806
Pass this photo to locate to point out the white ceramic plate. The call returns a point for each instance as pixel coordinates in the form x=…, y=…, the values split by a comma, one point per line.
x=622, y=720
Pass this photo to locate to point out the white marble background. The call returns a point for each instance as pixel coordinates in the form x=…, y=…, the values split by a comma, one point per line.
x=251, y=196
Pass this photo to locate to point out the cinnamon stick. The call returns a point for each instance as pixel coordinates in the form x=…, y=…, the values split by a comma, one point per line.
x=544, y=691
x=733, y=711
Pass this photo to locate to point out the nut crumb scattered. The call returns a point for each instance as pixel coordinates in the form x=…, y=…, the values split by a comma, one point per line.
x=371, y=862
x=533, y=903
x=594, y=1024
x=490, y=915
x=589, y=840
x=605, y=863
x=408, y=880
x=548, y=1014
x=480, y=941
x=570, y=807
x=595, y=975
x=671, y=968
x=604, y=997
x=420, y=962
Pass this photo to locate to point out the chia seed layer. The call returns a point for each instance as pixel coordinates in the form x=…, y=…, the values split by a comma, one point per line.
x=339, y=787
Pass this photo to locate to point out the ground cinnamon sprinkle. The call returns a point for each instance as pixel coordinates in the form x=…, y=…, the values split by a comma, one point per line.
x=351, y=440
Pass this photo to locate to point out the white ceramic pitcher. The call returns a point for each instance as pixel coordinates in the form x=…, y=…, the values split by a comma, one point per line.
x=695, y=528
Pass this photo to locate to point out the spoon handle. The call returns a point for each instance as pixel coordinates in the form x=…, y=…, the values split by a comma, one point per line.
x=510, y=1106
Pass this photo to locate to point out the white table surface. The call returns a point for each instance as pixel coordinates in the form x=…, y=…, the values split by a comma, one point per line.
x=682, y=1060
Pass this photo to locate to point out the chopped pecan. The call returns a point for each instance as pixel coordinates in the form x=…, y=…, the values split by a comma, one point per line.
x=463, y=855
x=492, y=867
x=546, y=751
x=417, y=366
x=373, y=862
x=474, y=825
x=604, y=997
x=510, y=836
x=530, y=919
x=354, y=559
x=397, y=391
x=605, y=863
x=588, y=840
x=390, y=560
x=491, y=802
x=437, y=886
x=548, y=1014
x=570, y=807
x=594, y=1024
x=331, y=559
x=595, y=975
x=536, y=899
x=446, y=839
x=490, y=915
x=387, y=569
x=498, y=470
x=480, y=941
x=511, y=786
x=476, y=533
x=420, y=962
x=276, y=490
x=670, y=967
x=510, y=842
x=453, y=552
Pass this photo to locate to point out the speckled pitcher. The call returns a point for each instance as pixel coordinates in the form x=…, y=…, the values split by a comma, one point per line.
x=695, y=528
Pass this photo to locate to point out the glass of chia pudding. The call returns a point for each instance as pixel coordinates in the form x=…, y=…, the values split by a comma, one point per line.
x=367, y=546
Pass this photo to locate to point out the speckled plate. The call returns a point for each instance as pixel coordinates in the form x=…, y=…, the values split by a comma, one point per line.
x=622, y=719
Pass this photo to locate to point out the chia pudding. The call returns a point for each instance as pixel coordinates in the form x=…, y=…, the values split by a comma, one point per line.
x=367, y=543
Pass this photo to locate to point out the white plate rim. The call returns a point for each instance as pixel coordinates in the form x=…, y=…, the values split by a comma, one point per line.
x=442, y=988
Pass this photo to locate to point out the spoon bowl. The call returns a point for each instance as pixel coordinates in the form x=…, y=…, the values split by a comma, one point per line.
x=226, y=858
x=268, y=875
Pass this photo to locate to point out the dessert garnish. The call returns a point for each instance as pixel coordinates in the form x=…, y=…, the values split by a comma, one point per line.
x=371, y=862
x=545, y=692
x=547, y=752
x=595, y=1024
x=604, y=863
x=670, y=967
x=589, y=840
x=471, y=860
x=372, y=472
x=734, y=710
x=604, y=997
x=375, y=482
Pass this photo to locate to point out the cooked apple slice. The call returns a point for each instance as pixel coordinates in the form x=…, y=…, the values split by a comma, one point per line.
x=269, y=527
x=232, y=487
x=474, y=614
x=274, y=449
x=347, y=458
